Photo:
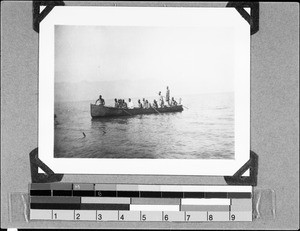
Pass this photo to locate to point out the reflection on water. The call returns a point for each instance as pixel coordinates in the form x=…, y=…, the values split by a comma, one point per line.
x=203, y=131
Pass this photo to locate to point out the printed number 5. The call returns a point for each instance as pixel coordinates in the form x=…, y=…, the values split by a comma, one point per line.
x=144, y=217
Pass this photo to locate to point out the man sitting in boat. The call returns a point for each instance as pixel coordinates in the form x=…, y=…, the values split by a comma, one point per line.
x=147, y=104
x=144, y=103
x=130, y=104
x=173, y=102
x=101, y=100
x=124, y=104
x=161, y=100
x=116, y=103
x=120, y=103
x=155, y=104
x=140, y=104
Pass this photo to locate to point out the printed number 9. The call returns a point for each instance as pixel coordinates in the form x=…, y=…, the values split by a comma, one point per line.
x=232, y=217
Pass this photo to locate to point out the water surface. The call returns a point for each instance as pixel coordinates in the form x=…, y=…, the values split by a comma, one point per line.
x=204, y=130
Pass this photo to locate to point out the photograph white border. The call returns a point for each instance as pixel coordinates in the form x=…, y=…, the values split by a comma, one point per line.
x=145, y=16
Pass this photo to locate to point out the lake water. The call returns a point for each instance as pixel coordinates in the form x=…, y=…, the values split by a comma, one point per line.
x=204, y=130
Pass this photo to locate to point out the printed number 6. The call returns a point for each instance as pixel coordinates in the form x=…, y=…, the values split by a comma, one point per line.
x=166, y=217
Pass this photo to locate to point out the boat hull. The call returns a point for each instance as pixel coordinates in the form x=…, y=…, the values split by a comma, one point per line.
x=99, y=111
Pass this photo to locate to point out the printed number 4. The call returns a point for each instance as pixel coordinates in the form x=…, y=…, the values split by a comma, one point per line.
x=122, y=217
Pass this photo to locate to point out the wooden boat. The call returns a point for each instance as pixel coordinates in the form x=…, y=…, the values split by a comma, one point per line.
x=98, y=111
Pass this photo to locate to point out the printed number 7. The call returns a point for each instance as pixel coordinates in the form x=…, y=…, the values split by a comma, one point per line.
x=188, y=217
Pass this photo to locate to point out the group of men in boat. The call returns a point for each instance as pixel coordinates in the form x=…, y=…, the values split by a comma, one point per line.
x=161, y=103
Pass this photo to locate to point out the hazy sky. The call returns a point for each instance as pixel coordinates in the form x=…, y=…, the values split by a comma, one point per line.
x=189, y=60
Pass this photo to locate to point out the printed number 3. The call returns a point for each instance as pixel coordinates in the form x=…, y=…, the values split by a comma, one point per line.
x=99, y=217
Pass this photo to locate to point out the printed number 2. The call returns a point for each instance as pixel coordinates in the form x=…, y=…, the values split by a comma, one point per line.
x=77, y=216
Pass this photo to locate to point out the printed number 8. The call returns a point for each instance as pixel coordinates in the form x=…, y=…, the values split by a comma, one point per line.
x=210, y=217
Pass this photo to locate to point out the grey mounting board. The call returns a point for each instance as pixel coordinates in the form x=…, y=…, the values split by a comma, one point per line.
x=274, y=115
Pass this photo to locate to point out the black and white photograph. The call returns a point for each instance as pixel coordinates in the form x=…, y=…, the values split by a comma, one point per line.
x=144, y=92
x=148, y=91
